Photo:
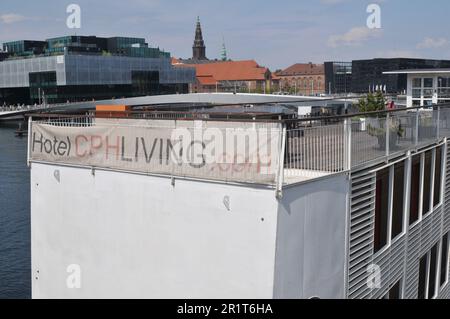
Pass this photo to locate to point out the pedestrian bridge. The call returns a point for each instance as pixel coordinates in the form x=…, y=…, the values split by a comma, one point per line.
x=169, y=101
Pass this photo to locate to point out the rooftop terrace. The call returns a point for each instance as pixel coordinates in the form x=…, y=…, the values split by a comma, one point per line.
x=250, y=148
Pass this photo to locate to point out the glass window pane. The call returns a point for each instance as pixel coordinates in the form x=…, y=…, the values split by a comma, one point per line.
x=443, y=82
x=438, y=177
x=417, y=93
x=428, y=82
x=398, y=205
x=422, y=277
x=395, y=292
x=428, y=93
x=415, y=190
x=381, y=209
x=433, y=273
x=427, y=182
x=444, y=260
x=443, y=93
x=417, y=83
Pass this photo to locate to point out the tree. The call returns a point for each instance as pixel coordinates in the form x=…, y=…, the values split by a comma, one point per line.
x=372, y=103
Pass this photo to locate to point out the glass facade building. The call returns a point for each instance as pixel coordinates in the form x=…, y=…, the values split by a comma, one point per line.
x=24, y=48
x=338, y=77
x=368, y=74
x=84, y=68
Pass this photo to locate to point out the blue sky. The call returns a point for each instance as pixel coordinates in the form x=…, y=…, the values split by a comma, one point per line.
x=274, y=33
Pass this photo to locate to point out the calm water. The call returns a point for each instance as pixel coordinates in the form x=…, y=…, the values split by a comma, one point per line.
x=15, y=261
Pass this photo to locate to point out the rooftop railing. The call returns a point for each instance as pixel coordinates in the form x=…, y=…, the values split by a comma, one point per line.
x=323, y=146
x=301, y=149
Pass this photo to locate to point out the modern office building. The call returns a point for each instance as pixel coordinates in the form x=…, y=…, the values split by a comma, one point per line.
x=24, y=48
x=369, y=75
x=338, y=77
x=77, y=68
x=330, y=209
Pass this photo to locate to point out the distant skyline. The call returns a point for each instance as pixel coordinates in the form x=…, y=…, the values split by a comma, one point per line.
x=275, y=34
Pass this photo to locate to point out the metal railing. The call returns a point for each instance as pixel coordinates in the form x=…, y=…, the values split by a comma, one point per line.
x=316, y=147
x=18, y=108
x=320, y=146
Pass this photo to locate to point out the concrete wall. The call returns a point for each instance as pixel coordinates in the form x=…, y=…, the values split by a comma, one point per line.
x=310, y=257
x=138, y=236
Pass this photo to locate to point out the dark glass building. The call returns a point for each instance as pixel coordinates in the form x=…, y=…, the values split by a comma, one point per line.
x=24, y=48
x=75, y=68
x=368, y=74
x=338, y=77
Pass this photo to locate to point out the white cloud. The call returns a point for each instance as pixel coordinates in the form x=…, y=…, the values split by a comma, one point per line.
x=11, y=18
x=432, y=43
x=353, y=37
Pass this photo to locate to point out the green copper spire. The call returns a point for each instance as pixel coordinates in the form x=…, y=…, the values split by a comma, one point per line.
x=224, y=56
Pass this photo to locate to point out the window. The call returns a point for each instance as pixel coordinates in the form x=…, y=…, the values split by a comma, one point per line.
x=381, y=210
x=428, y=274
x=427, y=183
x=438, y=177
x=422, y=91
x=443, y=89
x=433, y=273
x=444, y=260
x=415, y=190
x=417, y=83
x=398, y=199
x=428, y=82
x=423, y=276
x=395, y=292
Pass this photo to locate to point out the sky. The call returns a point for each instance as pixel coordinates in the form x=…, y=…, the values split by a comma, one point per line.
x=276, y=34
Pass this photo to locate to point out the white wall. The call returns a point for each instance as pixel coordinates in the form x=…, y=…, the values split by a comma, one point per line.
x=138, y=236
x=310, y=259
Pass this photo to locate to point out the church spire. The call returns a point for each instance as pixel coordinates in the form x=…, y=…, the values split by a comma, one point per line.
x=224, y=56
x=199, y=48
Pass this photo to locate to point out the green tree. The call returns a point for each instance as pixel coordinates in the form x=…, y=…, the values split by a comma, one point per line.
x=372, y=103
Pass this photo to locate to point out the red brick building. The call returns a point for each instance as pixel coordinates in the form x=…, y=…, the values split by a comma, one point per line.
x=303, y=79
x=232, y=76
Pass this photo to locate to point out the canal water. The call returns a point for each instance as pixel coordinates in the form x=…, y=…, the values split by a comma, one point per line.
x=15, y=252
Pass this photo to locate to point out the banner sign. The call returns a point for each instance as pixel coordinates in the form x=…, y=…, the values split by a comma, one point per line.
x=226, y=151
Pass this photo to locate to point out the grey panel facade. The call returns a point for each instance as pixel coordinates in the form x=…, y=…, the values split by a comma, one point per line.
x=90, y=70
x=399, y=261
x=15, y=73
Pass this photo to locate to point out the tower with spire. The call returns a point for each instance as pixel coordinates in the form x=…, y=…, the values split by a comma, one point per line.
x=199, y=48
x=224, y=55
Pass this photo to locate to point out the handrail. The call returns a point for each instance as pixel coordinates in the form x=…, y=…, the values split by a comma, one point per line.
x=321, y=148
x=195, y=115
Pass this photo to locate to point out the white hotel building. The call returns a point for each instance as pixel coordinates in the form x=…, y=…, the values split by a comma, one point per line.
x=340, y=211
